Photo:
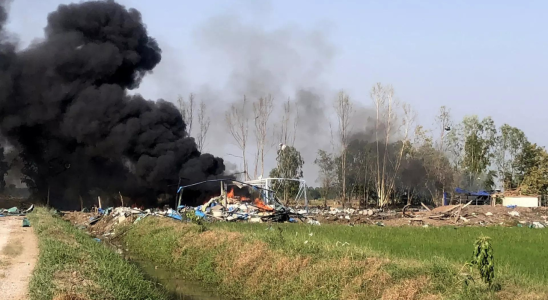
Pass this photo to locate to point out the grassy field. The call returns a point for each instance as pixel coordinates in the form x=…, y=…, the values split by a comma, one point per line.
x=71, y=265
x=517, y=250
x=258, y=261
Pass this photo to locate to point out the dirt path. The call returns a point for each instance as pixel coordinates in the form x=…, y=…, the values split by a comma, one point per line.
x=18, y=255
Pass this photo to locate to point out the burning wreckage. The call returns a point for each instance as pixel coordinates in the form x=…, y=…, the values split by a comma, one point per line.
x=250, y=201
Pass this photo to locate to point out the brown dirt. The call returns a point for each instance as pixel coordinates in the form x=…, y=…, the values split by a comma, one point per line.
x=476, y=216
x=409, y=289
x=105, y=225
x=18, y=257
x=76, y=217
x=68, y=297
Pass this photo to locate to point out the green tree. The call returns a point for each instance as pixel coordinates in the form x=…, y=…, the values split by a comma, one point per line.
x=314, y=192
x=484, y=259
x=290, y=166
x=328, y=173
x=532, y=169
x=479, y=139
x=428, y=172
x=489, y=181
x=510, y=142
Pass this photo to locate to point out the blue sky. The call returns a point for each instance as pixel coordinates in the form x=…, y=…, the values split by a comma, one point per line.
x=476, y=57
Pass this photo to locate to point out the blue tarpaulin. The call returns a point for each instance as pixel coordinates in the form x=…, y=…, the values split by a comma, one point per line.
x=173, y=214
x=479, y=193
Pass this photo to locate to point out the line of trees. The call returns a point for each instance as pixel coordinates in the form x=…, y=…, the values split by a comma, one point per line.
x=386, y=158
x=389, y=163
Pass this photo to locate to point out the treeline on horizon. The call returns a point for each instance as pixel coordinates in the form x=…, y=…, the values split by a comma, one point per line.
x=389, y=158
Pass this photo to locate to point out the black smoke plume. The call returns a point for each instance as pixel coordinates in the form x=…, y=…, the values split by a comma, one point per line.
x=64, y=106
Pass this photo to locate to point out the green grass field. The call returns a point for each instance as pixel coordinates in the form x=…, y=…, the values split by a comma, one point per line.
x=518, y=251
x=71, y=265
x=289, y=261
x=295, y=261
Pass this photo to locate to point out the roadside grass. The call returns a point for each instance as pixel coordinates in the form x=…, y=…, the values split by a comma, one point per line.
x=290, y=261
x=71, y=265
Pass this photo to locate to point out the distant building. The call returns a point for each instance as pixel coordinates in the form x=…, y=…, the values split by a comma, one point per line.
x=521, y=201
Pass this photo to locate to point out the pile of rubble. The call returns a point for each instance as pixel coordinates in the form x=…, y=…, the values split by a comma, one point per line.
x=481, y=215
x=453, y=215
x=240, y=209
x=348, y=215
x=212, y=211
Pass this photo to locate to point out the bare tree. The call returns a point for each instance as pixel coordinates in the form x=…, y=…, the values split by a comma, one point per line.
x=386, y=126
x=187, y=111
x=238, y=125
x=344, y=109
x=203, y=122
x=262, y=109
x=444, y=123
x=290, y=118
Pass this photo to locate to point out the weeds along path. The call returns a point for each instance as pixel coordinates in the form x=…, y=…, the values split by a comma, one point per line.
x=19, y=252
x=71, y=265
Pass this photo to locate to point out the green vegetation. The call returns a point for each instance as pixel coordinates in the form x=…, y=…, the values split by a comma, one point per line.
x=484, y=260
x=258, y=261
x=517, y=249
x=71, y=265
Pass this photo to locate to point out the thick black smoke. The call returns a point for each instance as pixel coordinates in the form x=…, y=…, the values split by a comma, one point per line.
x=64, y=105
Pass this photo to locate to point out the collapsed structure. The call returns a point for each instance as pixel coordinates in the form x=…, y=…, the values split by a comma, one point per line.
x=237, y=201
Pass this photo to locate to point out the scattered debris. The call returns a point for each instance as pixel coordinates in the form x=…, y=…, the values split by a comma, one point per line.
x=465, y=214
x=537, y=225
x=15, y=211
x=266, y=208
x=513, y=213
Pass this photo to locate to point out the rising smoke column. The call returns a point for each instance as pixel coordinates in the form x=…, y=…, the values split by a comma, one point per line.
x=64, y=105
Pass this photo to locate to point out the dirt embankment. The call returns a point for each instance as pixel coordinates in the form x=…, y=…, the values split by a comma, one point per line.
x=18, y=256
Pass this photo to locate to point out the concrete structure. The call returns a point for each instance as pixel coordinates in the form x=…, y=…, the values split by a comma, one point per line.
x=521, y=201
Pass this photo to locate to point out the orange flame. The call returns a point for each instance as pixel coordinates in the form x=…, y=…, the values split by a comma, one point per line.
x=261, y=206
x=231, y=193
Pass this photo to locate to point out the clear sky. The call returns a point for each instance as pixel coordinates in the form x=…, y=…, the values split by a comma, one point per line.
x=476, y=57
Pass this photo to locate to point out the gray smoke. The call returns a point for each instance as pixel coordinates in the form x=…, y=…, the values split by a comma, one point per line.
x=287, y=62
